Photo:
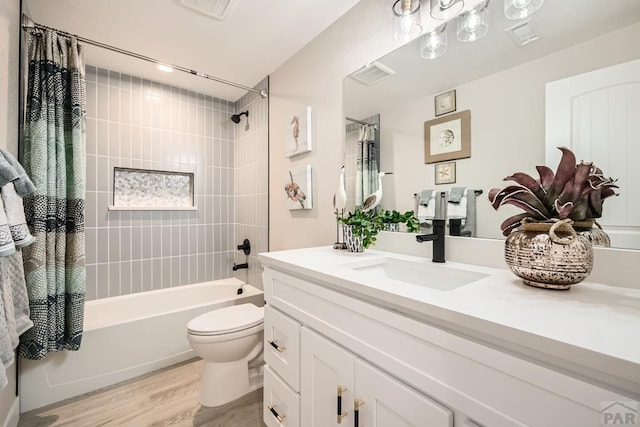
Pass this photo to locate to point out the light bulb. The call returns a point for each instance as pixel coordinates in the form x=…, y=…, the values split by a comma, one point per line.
x=472, y=22
x=433, y=42
x=521, y=3
x=520, y=9
x=406, y=23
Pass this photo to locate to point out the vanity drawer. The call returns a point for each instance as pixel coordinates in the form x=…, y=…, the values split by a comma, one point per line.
x=282, y=346
x=281, y=404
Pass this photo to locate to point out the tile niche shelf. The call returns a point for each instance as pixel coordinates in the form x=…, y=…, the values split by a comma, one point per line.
x=152, y=190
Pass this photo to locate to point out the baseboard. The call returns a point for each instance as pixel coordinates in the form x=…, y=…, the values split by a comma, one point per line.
x=13, y=416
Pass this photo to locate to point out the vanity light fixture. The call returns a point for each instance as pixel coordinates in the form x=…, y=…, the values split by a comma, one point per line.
x=446, y=9
x=434, y=43
x=164, y=68
x=520, y=9
x=406, y=19
x=473, y=24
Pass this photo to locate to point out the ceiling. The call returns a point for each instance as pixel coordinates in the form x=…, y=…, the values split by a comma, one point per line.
x=559, y=23
x=252, y=41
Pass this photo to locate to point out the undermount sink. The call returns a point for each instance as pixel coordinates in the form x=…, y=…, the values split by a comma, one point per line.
x=440, y=277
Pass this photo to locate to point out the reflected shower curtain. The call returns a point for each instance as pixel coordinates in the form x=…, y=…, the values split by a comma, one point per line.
x=367, y=166
x=54, y=158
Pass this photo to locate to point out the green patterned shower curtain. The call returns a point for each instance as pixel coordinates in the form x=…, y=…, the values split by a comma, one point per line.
x=54, y=158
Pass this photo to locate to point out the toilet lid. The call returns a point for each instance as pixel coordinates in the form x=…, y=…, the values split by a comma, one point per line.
x=227, y=319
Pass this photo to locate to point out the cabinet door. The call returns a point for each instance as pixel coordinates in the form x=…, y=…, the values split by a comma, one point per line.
x=389, y=403
x=324, y=367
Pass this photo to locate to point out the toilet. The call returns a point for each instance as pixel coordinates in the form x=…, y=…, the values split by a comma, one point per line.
x=229, y=340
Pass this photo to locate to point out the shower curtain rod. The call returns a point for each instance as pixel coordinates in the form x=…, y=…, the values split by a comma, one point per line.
x=375, y=125
x=29, y=24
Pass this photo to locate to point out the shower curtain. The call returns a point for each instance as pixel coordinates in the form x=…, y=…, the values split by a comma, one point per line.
x=54, y=158
x=367, y=165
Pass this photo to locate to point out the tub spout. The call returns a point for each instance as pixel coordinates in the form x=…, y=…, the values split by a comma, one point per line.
x=239, y=266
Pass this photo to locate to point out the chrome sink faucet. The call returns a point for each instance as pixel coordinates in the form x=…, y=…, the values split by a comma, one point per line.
x=437, y=237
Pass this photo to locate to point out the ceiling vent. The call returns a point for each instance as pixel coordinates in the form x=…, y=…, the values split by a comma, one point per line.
x=372, y=73
x=213, y=8
x=522, y=33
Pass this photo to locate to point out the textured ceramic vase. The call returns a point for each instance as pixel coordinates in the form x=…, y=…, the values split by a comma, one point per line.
x=595, y=234
x=353, y=241
x=549, y=255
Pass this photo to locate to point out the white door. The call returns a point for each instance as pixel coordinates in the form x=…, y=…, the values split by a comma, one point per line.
x=325, y=366
x=597, y=115
x=386, y=402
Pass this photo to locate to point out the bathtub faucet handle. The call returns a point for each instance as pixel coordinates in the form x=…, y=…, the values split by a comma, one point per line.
x=245, y=247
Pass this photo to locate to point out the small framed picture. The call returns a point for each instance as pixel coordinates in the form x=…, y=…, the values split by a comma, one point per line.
x=298, y=135
x=297, y=186
x=445, y=173
x=448, y=138
x=445, y=103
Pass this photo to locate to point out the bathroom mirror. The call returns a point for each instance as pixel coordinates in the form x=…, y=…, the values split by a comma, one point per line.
x=502, y=84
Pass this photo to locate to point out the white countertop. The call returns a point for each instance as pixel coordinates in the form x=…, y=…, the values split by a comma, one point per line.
x=591, y=330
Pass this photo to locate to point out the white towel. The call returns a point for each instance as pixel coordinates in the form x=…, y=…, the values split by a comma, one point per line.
x=7, y=326
x=3, y=377
x=458, y=210
x=12, y=271
x=7, y=245
x=427, y=213
x=15, y=216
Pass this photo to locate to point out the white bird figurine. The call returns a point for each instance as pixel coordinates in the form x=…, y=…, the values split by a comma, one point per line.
x=339, y=203
x=375, y=198
x=340, y=196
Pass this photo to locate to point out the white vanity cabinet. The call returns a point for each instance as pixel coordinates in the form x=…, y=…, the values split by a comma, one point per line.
x=407, y=371
x=338, y=388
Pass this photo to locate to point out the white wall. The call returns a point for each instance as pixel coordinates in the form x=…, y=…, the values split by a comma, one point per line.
x=507, y=126
x=9, y=42
x=314, y=77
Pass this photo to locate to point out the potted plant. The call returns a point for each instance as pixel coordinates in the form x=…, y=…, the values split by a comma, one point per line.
x=360, y=229
x=553, y=205
x=391, y=220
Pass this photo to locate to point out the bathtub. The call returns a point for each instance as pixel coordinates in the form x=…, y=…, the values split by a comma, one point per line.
x=125, y=337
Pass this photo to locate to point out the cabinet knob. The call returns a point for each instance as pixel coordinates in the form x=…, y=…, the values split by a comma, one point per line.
x=275, y=345
x=279, y=417
x=341, y=414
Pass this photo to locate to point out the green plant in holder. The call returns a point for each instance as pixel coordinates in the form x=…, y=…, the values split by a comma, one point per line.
x=574, y=191
x=394, y=217
x=365, y=224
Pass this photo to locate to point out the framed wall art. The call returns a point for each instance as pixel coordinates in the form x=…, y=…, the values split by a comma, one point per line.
x=297, y=186
x=448, y=138
x=445, y=103
x=298, y=135
x=445, y=173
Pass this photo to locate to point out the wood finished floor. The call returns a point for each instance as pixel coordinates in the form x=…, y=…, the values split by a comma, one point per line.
x=164, y=398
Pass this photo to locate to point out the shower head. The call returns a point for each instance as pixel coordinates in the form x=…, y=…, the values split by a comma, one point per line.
x=236, y=117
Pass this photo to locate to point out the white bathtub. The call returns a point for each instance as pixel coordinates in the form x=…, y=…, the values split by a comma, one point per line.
x=125, y=337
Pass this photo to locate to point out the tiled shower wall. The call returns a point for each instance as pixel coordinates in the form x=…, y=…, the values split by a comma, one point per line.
x=142, y=124
x=251, y=179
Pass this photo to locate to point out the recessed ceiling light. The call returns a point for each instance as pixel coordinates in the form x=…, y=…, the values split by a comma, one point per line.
x=165, y=68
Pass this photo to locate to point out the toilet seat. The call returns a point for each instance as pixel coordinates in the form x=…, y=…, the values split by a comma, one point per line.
x=227, y=320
